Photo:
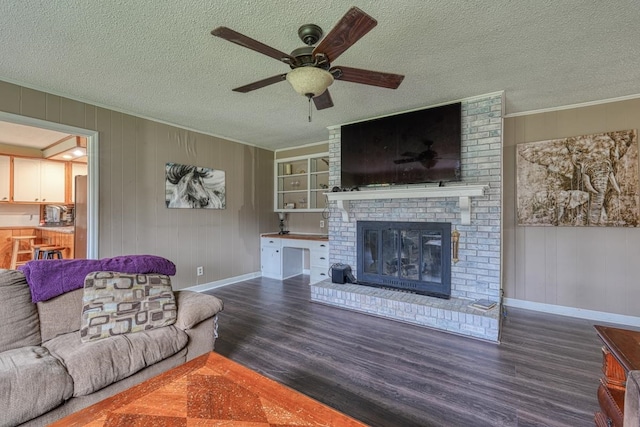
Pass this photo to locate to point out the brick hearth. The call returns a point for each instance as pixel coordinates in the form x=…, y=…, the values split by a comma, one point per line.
x=452, y=315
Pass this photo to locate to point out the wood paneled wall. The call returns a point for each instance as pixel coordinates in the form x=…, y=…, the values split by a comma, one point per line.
x=588, y=268
x=133, y=218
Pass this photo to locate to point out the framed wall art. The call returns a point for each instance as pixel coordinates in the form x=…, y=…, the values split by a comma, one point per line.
x=194, y=187
x=587, y=180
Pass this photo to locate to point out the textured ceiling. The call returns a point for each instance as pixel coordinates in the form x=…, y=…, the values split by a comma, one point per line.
x=28, y=136
x=157, y=59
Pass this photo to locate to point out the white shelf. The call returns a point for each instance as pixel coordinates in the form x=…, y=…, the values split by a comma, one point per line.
x=293, y=175
x=463, y=192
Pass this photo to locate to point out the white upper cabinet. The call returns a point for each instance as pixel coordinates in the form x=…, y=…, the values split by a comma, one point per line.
x=26, y=180
x=38, y=181
x=5, y=178
x=52, y=182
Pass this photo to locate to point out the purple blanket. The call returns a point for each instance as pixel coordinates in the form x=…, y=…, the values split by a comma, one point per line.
x=49, y=278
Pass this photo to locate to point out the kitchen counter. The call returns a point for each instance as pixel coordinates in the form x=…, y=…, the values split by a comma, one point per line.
x=67, y=229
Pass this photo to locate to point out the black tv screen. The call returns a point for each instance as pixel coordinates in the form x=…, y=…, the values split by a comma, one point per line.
x=418, y=147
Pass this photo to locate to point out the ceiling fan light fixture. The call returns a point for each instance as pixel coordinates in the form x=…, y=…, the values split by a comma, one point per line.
x=309, y=81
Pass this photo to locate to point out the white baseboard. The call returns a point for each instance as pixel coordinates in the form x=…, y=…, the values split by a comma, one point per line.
x=224, y=282
x=580, y=313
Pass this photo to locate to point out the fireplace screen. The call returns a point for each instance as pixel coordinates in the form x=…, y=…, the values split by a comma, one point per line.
x=405, y=255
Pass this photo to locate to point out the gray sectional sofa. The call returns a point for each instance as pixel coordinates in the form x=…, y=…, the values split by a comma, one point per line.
x=48, y=372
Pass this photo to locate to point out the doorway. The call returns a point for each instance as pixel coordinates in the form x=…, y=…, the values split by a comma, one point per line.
x=92, y=169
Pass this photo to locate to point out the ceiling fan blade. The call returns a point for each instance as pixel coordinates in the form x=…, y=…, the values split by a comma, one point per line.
x=261, y=83
x=367, y=77
x=249, y=43
x=323, y=100
x=353, y=25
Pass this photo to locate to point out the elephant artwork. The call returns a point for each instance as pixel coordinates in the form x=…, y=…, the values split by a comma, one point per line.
x=589, y=180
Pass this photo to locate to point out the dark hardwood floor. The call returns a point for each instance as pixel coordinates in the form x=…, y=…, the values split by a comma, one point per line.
x=385, y=373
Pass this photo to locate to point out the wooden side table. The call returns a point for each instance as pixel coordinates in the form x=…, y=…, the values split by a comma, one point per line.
x=620, y=354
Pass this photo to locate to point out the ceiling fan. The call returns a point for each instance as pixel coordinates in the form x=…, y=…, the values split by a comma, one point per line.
x=311, y=71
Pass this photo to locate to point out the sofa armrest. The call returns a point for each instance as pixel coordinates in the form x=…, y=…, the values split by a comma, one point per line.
x=195, y=307
x=632, y=400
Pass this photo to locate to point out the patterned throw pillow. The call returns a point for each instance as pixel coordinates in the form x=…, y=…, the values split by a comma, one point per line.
x=118, y=303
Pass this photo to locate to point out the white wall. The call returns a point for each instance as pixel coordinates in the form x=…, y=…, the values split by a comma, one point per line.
x=19, y=215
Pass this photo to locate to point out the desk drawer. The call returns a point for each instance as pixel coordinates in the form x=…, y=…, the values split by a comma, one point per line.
x=321, y=245
x=318, y=274
x=270, y=242
x=610, y=406
x=319, y=258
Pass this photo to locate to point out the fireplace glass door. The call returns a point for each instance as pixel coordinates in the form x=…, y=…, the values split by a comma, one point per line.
x=410, y=254
x=405, y=255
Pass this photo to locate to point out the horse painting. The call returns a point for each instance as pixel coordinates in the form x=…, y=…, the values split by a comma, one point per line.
x=194, y=187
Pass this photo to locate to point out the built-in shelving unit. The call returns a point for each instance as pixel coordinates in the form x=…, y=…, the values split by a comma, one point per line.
x=301, y=183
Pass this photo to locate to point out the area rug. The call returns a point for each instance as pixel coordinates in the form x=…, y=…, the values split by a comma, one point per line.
x=211, y=390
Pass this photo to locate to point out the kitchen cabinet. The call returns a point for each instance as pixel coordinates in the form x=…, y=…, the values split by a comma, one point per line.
x=301, y=183
x=5, y=178
x=52, y=181
x=39, y=181
x=26, y=180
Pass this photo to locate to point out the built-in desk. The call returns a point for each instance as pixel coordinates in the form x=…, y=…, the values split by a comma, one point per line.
x=283, y=255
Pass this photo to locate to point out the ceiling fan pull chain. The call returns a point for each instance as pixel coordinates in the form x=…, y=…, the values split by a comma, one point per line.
x=310, y=109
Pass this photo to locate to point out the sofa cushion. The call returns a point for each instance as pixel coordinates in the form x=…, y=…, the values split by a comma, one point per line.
x=18, y=315
x=60, y=315
x=32, y=382
x=96, y=364
x=194, y=307
x=119, y=303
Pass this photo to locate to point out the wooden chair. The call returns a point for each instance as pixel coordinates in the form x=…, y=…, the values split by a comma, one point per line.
x=20, y=249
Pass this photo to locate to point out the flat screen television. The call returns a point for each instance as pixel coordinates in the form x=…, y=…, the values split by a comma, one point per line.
x=417, y=147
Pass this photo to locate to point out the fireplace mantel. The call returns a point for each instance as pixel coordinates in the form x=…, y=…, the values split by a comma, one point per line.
x=462, y=192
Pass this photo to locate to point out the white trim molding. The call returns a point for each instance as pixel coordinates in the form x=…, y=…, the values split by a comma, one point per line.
x=580, y=313
x=219, y=283
x=572, y=106
x=462, y=192
x=92, y=164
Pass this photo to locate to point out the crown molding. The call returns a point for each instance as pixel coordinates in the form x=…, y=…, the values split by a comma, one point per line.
x=572, y=106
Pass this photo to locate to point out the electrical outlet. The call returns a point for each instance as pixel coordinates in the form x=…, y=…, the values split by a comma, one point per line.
x=321, y=224
x=199, y=271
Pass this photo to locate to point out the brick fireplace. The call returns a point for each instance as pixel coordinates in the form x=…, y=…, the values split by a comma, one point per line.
x=477, y=274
